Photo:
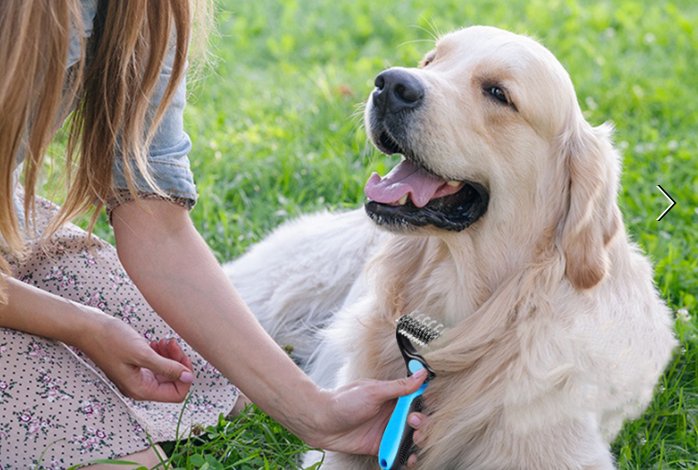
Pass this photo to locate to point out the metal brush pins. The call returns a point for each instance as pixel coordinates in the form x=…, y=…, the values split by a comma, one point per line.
x=419, y=328
x=416, y=329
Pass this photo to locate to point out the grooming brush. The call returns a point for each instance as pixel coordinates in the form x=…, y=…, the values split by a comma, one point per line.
x=413, y=329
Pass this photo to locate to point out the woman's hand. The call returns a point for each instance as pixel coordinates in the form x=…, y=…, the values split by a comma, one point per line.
x=159, y=371
x=356, y=414
x=418, y=422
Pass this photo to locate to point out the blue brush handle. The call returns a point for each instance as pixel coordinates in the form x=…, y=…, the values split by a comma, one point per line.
x=397, y=437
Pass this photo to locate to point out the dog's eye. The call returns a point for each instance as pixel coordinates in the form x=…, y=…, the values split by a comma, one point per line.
x=497, y=93
x=428, y=59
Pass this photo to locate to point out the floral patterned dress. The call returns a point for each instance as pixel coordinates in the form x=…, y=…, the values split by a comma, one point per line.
x=57, y=409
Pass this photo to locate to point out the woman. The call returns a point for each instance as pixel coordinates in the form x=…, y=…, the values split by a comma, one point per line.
x=87, y=363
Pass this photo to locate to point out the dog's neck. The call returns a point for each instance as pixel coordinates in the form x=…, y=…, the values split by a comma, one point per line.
x=420, y=272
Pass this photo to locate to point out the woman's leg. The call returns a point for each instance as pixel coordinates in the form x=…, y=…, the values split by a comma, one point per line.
x=240, y=405
x=55, y=411
x=148, y=458
x=67, y=411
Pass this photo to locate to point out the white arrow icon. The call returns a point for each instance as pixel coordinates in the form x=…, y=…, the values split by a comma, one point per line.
x=673, y=203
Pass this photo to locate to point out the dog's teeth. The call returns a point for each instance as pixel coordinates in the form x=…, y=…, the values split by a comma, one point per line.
x=402, y=201
x=454, y=183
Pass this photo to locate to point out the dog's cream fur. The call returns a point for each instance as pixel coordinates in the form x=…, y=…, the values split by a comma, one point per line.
x=555, y=332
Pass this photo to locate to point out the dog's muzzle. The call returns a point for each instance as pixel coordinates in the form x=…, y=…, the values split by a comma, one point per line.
x=412, y=195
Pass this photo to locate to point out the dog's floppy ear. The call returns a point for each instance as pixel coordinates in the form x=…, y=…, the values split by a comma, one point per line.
x=592, y=217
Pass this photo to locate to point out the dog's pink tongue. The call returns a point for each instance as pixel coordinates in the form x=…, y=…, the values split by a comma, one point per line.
x=406, y=178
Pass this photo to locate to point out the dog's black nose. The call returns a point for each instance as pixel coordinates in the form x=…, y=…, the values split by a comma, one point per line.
x=397, y=90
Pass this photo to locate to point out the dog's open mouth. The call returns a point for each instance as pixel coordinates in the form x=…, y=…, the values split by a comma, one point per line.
x=412, y=196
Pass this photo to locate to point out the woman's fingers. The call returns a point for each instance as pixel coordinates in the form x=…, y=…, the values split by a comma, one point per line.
x=170, y=349
x=416, y=421
x=158, y=371
x=162, y=378
x=174, y=351
x=400, y=387
x=417, y=438
x=167, y=362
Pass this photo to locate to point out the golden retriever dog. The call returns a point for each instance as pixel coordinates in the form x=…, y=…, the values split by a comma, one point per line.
x=501, y=222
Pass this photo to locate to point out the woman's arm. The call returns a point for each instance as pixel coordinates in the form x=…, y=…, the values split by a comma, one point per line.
x=40, y=313
x=179, y=276
x=159, y=371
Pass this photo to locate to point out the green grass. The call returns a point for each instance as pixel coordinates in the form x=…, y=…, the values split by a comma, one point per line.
x=276, y=130
x=251, y=441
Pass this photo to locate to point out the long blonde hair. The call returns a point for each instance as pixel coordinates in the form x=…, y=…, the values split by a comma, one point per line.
x=110, y=93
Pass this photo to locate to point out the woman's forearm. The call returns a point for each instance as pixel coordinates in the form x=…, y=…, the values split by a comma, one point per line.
x=41, y=313
x=179, y=276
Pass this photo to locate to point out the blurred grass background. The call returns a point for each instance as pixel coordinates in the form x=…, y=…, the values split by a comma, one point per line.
x=277, y=132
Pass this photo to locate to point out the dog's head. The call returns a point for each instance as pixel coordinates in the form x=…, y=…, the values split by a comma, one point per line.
x=490, y=128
